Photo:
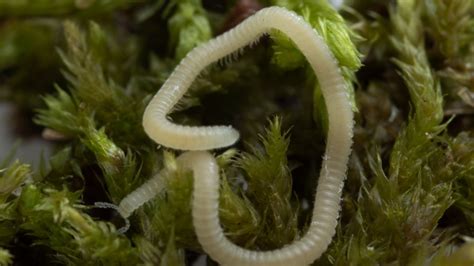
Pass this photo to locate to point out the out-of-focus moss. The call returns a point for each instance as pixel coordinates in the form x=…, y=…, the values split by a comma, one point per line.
x=10, y=8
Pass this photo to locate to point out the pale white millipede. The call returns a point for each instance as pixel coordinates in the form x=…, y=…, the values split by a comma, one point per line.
x=205, y=205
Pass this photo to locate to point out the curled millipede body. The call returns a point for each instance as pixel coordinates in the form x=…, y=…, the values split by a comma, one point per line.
x=142, y=195
x=205, y=205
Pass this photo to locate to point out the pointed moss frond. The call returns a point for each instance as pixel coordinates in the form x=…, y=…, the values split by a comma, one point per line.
x=99, y=241
x=416, y=156
x=86, y=74
x=96, y=101
x=94, y=96
x=52, y=218
x=425, y=92
x=415, y=142
x=451, y=28
x=269, y=186
x=239, y=218
x=116, y=55
x=450, y=25
x=61, y=114
x=108, y=154
x=95, y=91
x=172, y=255
x=407, y=25
x=119, y=168
x=11, y=178
x=392, y=223
x=268, y=163
x=188, y=26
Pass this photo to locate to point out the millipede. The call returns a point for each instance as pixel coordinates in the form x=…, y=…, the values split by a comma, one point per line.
x=197, y=141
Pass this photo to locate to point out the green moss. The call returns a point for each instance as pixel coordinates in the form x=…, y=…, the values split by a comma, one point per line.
x=50, y=217
x=408, y=198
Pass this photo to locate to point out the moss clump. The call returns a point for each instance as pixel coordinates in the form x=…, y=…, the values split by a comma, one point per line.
x=409, y=194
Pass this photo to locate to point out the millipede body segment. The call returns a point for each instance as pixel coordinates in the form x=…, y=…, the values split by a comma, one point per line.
x=196, y=140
